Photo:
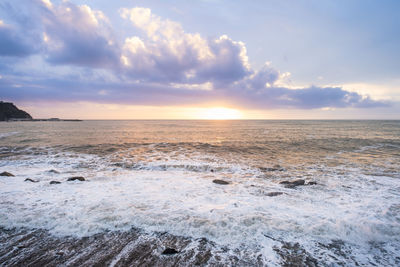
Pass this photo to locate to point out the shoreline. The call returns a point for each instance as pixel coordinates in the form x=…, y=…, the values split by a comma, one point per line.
x=38, y=247
x=27, y=247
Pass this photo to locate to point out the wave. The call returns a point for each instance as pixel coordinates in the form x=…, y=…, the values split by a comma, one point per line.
x=5, y=135
x=168, y=187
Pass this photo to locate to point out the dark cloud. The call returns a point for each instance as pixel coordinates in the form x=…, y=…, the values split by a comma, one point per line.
x=263, y=91
x=13, y=44
x=78, y=35
x=306, y=98
x=17, y=37
x=162, y=95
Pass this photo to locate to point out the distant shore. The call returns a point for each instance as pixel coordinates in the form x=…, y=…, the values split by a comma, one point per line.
x=10, y=112
x=52, y=119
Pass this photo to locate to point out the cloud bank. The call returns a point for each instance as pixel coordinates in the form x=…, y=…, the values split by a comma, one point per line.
x=86, y=59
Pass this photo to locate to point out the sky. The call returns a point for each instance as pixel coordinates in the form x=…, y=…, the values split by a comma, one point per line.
x=204, y=59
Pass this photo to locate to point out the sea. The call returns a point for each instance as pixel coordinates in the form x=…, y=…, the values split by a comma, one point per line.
x=159, y=176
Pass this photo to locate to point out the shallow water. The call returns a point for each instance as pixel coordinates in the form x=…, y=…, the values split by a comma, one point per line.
x=157, y=176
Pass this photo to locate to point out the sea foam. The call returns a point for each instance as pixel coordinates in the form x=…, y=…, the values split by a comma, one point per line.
x=175, y=194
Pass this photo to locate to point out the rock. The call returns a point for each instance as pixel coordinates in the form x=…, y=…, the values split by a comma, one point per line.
x=30, y=180
x=271, y=169
x=292, y=254
x=293, y=184
x=274, y=194
x=6, y=174
x=53, y=171
x=311, y=183
x=298, y=182
x=169, y=251
x=8, y=111
x=118, y=164
x=217, y=181
x=131, y=248
x=55, y=182
x=79, y=178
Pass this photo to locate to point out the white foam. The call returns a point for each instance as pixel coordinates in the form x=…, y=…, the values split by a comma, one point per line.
x=355, y=208
x=4, y=135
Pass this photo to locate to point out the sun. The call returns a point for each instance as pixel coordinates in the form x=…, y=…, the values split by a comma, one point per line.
x=220, y=113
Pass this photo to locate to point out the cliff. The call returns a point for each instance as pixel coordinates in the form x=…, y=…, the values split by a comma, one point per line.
x=9, y=111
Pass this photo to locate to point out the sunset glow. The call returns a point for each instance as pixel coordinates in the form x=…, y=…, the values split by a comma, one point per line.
x=220, y=113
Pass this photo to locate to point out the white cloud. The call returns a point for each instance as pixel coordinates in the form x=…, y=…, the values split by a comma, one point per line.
x=166, y=52
x=47, y=3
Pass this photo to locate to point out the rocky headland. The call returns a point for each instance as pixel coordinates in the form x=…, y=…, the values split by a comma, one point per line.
x=8, y=111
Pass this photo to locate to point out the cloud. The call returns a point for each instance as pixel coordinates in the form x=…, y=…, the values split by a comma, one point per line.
x=13, y=43
x=18, y=29
x=167, y=53
x=136, y=93
x=265, y=77
x=307, y=98
x=83, y=60
x=77, y=35
x=263, y=89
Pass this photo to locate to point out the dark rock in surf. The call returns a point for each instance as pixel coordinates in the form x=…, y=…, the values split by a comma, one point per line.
x=311, y=183
x=55, y=182
x=285, y=182
x=272, y=169
x=169, y=251
x=118, y=164
x=292, y=254
x=30, y=180
x=293, y=184
x=222, y=182
x=298, y=182
x=274, y=194
x=7, y=174
x=53, y=171
x=76, y=178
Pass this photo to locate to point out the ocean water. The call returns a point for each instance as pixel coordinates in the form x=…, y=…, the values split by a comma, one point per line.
x=158, y=176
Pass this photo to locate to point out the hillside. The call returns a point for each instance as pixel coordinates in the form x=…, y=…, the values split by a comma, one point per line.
x=9, y=111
